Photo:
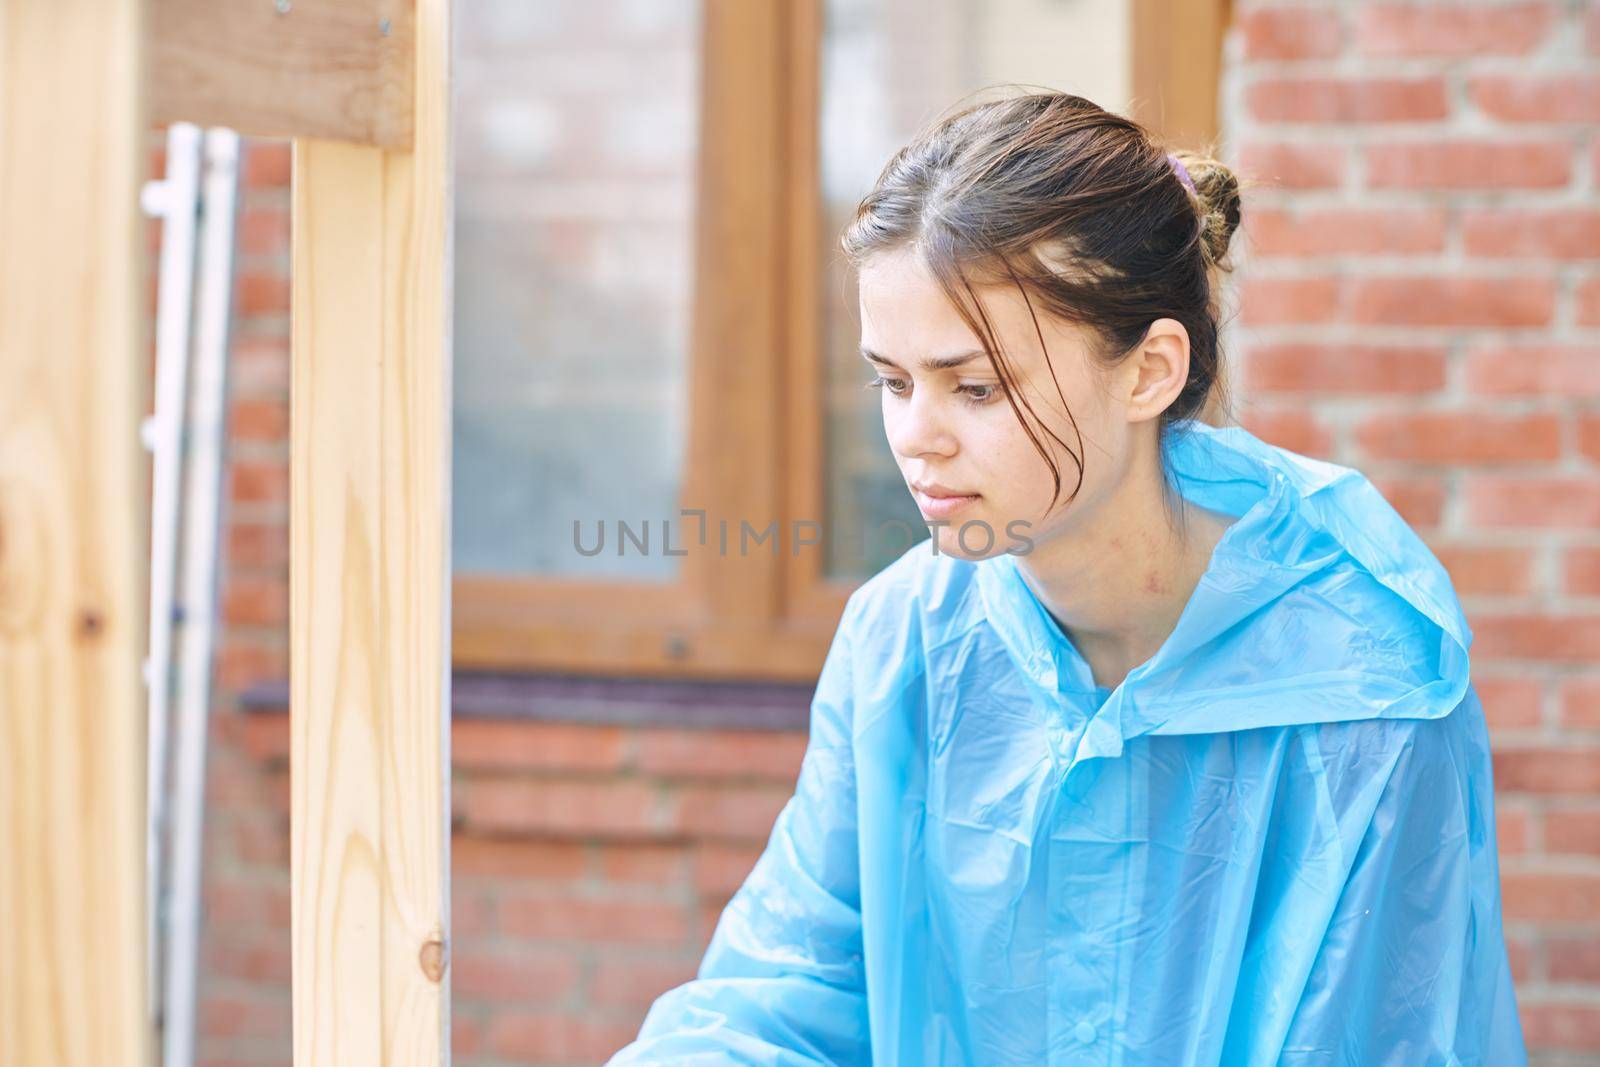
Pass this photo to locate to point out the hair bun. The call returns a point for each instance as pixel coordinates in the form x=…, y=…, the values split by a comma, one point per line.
x=1217, y=189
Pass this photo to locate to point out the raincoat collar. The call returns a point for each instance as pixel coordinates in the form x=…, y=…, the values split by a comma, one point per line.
x=1297, y=517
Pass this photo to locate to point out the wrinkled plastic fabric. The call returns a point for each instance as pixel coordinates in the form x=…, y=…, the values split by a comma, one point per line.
x=1272, y=843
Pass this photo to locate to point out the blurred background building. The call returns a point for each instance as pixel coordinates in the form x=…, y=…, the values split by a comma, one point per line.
x=1418, y=295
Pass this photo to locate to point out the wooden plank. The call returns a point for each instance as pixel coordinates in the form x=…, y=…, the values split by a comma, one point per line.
x=335, y=69
x=1177, y=68
x=73, y=535
x=736, y=354
x=785, y=650
x=369, y=579
x=624, y=628
x=809, y=593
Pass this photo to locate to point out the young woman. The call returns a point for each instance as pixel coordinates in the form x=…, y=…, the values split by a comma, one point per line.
x=1172, y=760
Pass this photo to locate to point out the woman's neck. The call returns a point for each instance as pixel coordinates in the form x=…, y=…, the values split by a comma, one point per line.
x=1117, y=592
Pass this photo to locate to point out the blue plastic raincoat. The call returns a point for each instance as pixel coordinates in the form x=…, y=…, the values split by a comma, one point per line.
x=1272, y=843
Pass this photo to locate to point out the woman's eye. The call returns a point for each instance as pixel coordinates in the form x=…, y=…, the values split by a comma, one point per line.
x=976, y=394
x=984, y=392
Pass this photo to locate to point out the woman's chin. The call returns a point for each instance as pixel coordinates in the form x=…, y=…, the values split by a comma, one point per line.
x=970, y=540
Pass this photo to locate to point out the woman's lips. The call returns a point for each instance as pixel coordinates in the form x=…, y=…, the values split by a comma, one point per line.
x=939, y=507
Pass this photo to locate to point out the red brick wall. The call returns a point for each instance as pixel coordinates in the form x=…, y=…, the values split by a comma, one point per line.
x=1420, y=298
x=589, y=864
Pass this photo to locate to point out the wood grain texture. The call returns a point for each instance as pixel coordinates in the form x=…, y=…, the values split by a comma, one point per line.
x=335, y=69
x=1177, y=68
x=73, y=536
x=809, y=593
x=735, y=347
x=369, y=579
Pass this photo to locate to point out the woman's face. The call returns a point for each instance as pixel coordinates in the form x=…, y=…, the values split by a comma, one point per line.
x=952, y=430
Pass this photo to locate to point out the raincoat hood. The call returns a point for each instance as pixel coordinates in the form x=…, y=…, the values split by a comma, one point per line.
x=1314, y=547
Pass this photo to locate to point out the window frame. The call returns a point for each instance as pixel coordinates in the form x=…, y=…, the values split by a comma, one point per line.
x=756, y=445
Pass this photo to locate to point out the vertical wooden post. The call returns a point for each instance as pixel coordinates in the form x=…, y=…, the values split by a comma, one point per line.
x=369, y=586
x=73, y=535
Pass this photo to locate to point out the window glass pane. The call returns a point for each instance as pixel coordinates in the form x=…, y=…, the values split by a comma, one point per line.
x=576, y=146
x=888, y=66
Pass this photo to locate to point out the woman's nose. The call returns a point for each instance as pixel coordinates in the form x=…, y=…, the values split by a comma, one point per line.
x=918, y=425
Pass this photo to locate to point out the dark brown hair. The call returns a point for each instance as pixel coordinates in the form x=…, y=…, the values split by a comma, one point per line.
x=1079, y=208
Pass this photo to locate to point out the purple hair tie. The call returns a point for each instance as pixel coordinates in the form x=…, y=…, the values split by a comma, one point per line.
x=1183, y=172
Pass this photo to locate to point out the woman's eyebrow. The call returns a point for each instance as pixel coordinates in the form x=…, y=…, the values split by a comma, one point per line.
x=930, y=363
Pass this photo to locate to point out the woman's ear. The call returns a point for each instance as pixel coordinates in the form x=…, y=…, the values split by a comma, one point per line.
x=1156, y=371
